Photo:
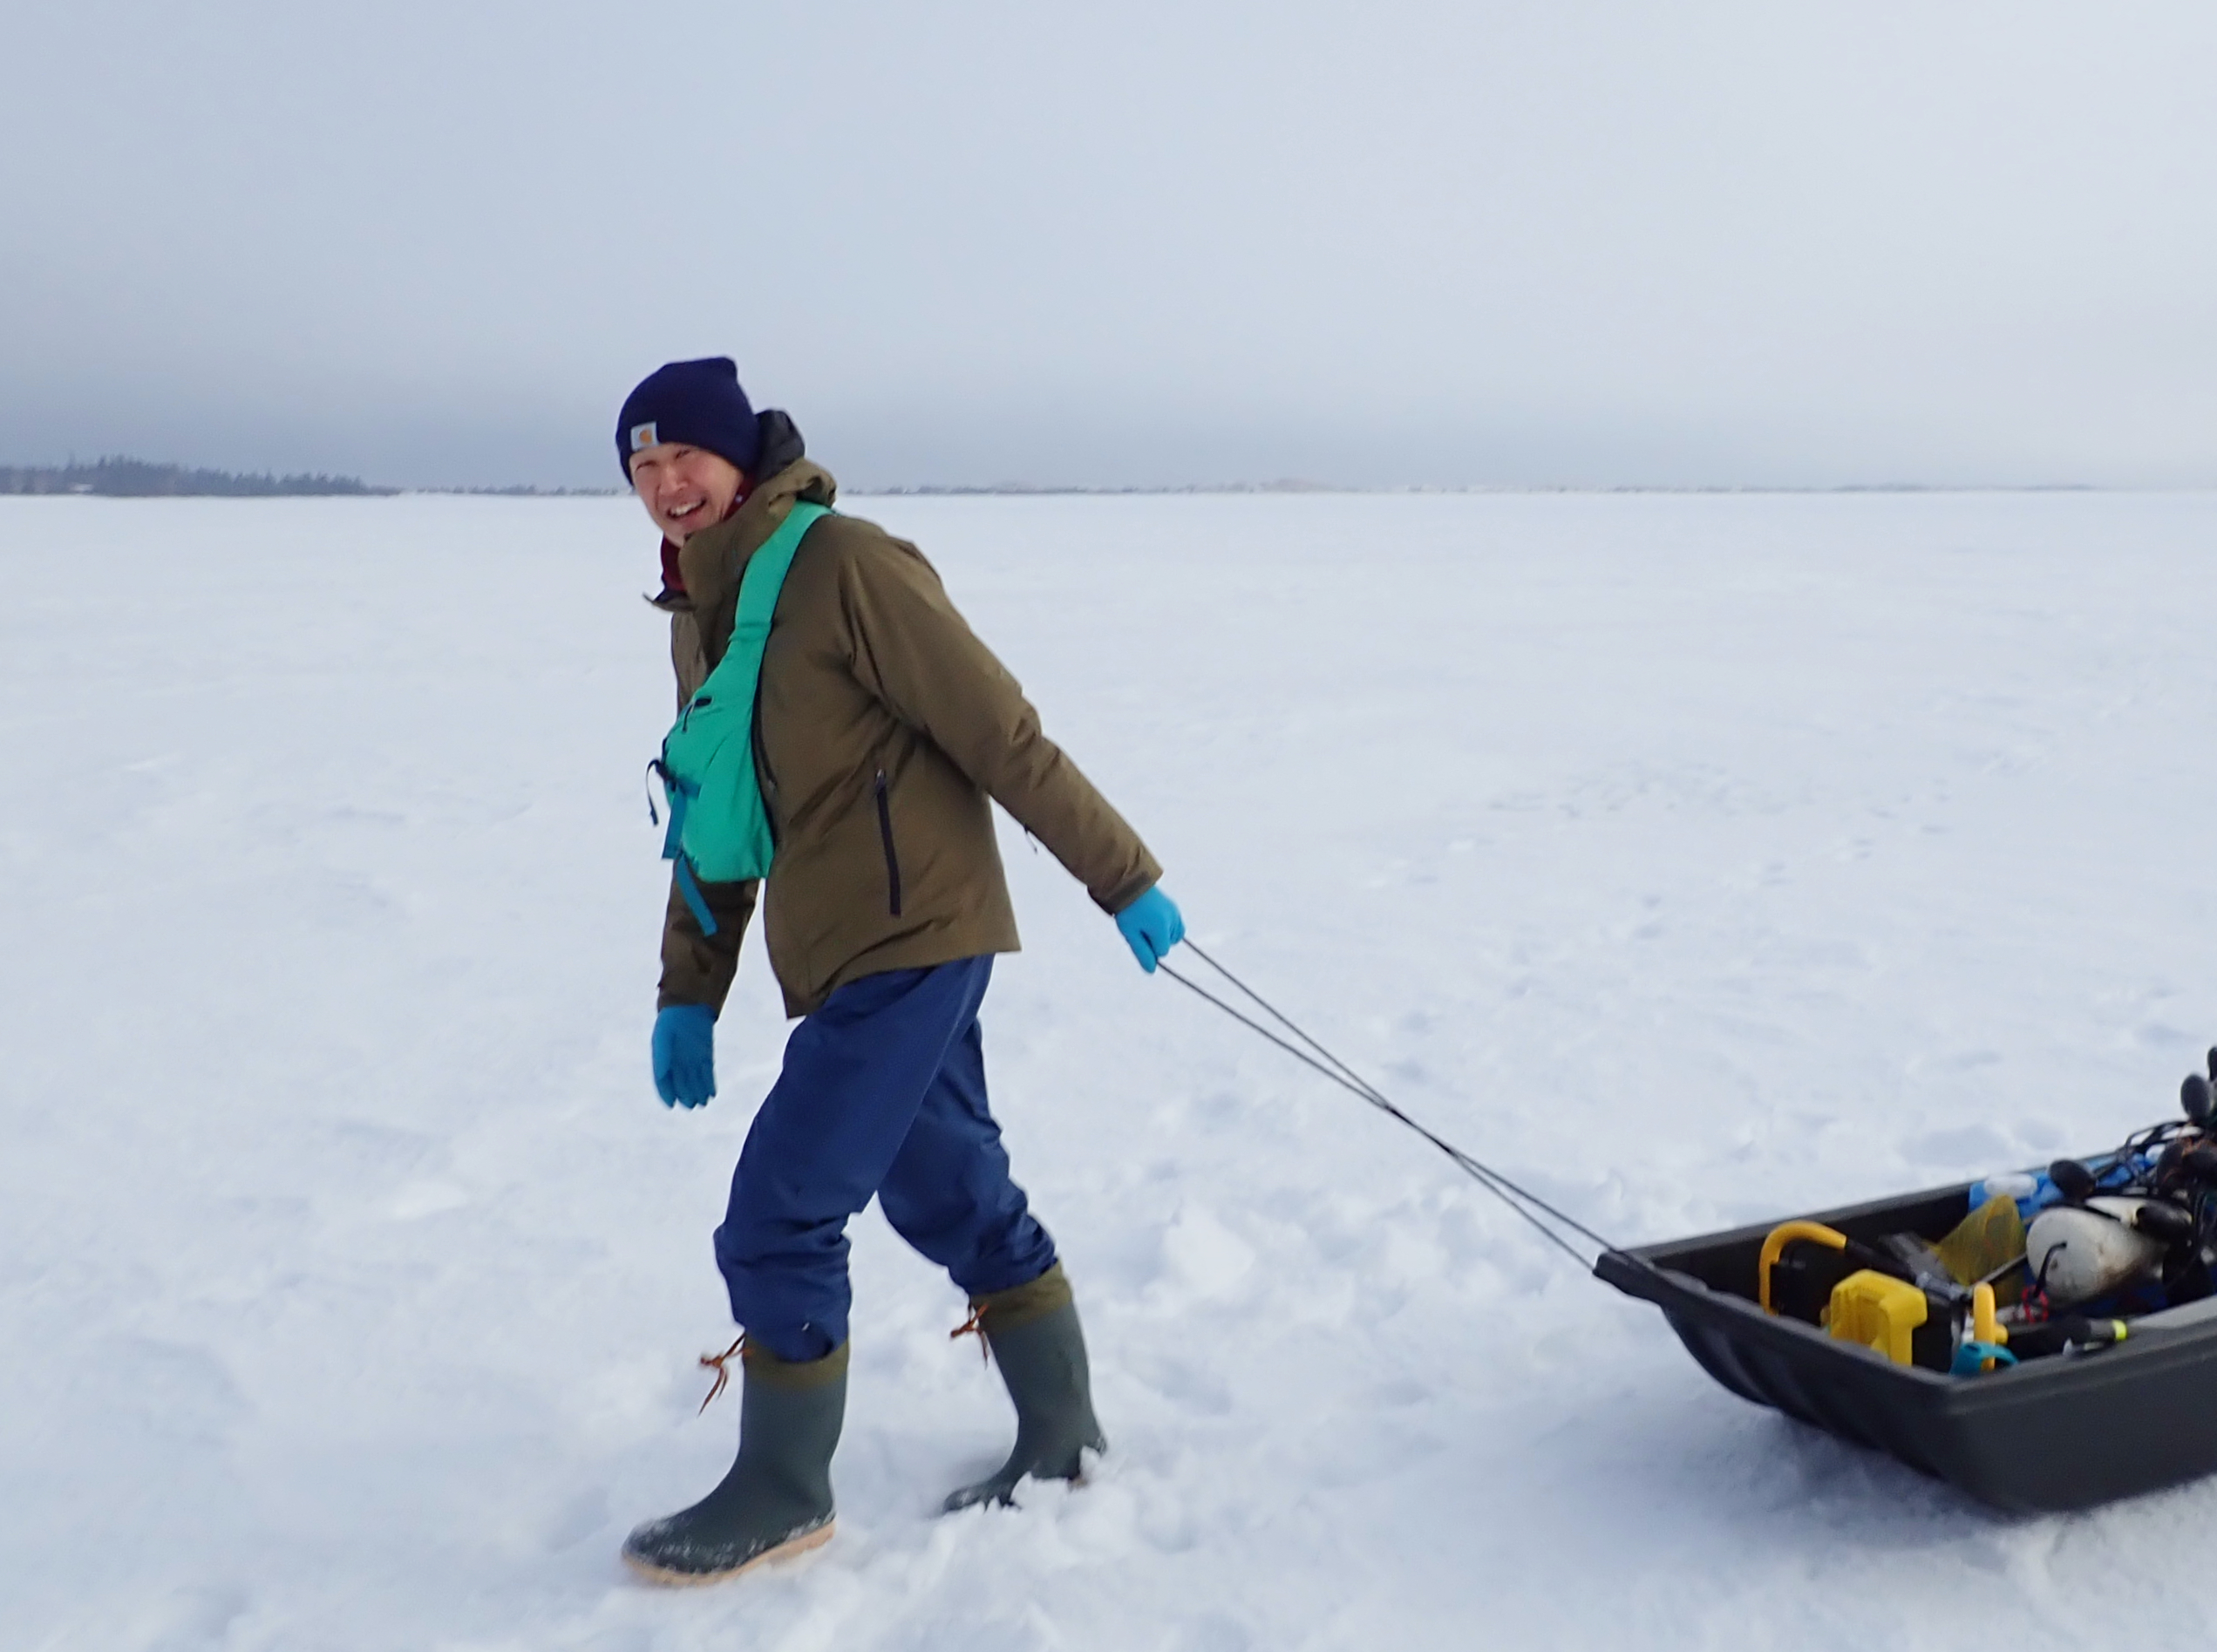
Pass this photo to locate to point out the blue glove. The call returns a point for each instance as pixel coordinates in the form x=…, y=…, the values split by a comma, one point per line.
x=685, y=1055
x=1151, y=925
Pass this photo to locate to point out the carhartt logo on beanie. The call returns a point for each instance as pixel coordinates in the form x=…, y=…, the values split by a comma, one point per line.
x=699, y=404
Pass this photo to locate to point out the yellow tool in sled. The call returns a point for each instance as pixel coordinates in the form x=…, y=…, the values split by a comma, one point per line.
x=1891, y=1318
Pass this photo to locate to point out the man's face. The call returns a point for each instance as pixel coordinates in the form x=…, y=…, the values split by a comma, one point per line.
x=685, y=489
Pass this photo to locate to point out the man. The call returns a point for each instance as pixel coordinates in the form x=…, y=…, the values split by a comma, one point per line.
x=882, y=731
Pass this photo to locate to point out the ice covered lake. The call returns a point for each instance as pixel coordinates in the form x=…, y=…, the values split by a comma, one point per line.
x=1704, y=858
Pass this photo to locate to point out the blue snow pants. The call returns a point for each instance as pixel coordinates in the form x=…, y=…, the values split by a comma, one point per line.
x=883, y=1092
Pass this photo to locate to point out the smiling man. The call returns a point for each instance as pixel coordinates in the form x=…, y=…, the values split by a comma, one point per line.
x=870, y=733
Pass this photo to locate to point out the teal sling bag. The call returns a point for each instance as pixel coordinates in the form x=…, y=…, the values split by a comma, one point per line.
x=719, y=829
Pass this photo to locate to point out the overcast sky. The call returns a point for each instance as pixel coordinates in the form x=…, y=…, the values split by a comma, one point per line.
x=1395, y=242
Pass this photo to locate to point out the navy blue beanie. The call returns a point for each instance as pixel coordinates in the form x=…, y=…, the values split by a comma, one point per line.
x=699, y=404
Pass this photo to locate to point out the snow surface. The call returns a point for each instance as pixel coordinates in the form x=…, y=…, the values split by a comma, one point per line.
x=1701, y=857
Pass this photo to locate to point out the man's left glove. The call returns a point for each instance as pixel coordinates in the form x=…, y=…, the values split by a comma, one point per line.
x=685, y=1055
x=1151, y=925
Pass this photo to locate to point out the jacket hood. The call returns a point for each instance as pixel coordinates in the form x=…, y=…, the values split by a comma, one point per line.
x=777, y=443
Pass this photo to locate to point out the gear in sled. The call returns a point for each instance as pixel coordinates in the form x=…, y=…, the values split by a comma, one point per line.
x=2064, y=1261
x=2044, y=1339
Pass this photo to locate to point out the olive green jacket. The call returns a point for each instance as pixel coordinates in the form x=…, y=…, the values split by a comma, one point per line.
x=884, y=732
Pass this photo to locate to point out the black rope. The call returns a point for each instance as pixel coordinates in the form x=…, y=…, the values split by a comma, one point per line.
x=1348, y=1080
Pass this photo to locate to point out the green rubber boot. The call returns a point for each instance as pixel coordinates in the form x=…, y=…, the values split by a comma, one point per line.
x=1034, y=1334
x=777, y=1500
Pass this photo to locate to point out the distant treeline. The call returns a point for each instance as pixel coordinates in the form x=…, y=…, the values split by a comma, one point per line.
x=120, y=478
x=524, y=490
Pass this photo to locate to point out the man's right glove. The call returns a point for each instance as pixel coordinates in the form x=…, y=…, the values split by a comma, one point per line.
x=685, y=1055
x=1151, y=925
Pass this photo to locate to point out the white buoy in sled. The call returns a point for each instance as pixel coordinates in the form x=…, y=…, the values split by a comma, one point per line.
x=2077, y=1253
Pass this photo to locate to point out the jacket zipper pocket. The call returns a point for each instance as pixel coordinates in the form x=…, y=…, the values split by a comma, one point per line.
x=885, y=836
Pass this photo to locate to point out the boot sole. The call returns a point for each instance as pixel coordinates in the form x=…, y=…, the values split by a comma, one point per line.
x=792, y=1548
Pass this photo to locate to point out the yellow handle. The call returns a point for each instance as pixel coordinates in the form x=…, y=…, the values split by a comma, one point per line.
x=1774, y=1247
x=1984, y=1327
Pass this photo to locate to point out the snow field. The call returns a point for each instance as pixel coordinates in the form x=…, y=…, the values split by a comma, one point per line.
x=1699, y=859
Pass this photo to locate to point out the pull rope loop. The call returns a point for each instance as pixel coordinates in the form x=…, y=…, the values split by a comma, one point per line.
x=1526, y=1204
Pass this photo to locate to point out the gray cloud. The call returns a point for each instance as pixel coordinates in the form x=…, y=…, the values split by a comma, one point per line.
x=1403, y=242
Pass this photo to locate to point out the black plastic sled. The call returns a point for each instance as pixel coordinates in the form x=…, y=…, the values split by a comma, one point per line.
x=2049, y=1434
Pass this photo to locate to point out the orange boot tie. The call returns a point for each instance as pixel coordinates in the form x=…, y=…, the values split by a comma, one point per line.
x=721, y=1365
x=973, y=1326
